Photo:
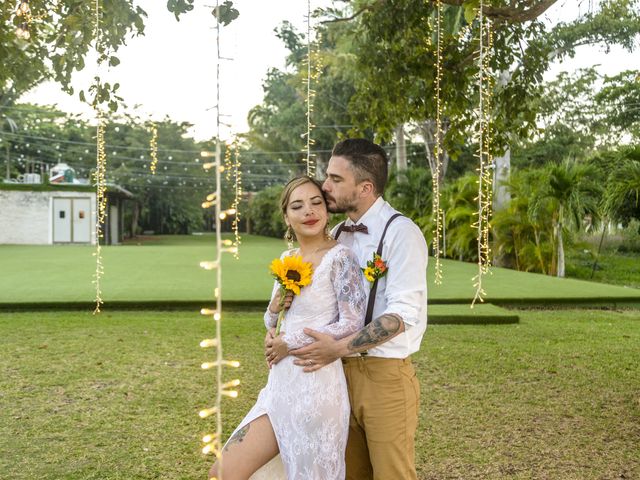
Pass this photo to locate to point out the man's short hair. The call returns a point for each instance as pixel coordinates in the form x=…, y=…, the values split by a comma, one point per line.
x=368, y=160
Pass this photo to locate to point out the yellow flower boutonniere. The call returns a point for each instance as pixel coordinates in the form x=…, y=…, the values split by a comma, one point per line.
x=292, y=274
x=375, y=269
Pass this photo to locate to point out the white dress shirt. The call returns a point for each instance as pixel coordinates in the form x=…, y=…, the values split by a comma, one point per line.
x=403, y=290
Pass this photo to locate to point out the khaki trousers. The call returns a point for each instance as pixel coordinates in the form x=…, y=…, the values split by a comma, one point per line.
x=385, y=396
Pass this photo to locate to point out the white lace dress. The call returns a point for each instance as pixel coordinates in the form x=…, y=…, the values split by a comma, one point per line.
x=309, y=412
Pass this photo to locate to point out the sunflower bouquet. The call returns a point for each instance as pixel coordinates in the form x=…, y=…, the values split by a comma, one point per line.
x=292, y=274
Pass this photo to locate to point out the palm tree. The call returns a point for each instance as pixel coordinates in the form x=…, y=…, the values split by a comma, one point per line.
x=571, y=193
x=522, y=241
x=623, y=184
x=461, y=207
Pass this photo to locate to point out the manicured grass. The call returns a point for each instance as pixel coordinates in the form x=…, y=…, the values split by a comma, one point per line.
x=165, y=269
x=116, y=396
x=613, y=267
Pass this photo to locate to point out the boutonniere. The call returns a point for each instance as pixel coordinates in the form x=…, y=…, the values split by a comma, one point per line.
x=376, y=268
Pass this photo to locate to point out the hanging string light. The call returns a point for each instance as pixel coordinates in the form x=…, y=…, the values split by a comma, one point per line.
x=313, y=73
x=228, y=163
x=483, y=134
x=153, y=148
x=238, y=195
x=488, y=180
x=100, y=175
x=437, y=173
x=213, y=441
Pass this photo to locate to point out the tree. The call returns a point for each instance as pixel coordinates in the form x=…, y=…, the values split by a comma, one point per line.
x=521, y=240
x=62, y=33
x=579, y=114
x=622, y=193
x=571, y=193
x=167, y=202
x=394, y=42
x=279, y=124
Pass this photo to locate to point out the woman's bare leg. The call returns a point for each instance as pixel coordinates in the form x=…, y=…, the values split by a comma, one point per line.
x=247, y=450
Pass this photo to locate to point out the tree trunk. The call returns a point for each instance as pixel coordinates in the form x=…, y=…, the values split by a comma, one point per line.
x=135, y=216
x=501, y=174
x=428, y=131
x=8, y=161
x=560, y=255
x=401, y=154
x=321, y=166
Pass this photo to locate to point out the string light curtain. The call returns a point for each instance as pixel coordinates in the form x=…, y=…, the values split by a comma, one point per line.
x=153, y=148
x=313, y=73
x=213, y=441
x=485, y=167
x=436, y=209
x=100, y=174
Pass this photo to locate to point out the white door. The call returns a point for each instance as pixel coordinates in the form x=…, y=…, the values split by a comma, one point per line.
x=61, y=220
x=81, y=220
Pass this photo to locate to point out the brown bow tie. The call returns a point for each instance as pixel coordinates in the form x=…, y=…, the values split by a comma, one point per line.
x=355, y=228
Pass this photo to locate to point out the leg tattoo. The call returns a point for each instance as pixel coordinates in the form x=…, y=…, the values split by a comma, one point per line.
x=237, y=437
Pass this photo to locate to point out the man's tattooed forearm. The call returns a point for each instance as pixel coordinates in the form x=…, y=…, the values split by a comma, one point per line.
x=238, y=437
x=378, y=331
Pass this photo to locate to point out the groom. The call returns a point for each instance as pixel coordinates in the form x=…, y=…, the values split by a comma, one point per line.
x=383, y=388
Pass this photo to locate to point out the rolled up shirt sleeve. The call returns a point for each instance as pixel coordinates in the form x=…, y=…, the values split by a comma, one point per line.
x=406, y=254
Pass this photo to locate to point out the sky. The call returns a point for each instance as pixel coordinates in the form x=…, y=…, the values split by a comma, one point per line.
x=171, y=70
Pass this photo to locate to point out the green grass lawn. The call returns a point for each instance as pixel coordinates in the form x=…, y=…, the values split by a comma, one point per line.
x=116, y=396
x=613, y=267
x=165, y=269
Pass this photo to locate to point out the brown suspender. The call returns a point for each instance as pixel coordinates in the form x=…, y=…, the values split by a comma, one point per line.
x=374, y=287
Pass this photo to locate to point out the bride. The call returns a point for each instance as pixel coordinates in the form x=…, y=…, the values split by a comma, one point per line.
x=303, y=417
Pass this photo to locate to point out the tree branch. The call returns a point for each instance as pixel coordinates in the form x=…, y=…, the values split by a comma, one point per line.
x=509, y=14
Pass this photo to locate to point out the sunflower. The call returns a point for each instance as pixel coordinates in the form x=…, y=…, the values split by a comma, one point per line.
x=369, y=273
x=292, y=273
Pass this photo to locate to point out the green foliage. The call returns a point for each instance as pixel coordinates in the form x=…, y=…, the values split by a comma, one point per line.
x=581, y=114
x=622, y=193
x=521, y=240
x=631, y=239
x=569, y=190
x=265, y=214
x=62, y=33
x=411, y=195
x=167, y=202
x=460, y=207
x=225, y=13
x=278, y=126
x=395, y=45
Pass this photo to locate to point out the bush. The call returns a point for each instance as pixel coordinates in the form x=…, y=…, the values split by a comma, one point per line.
x=631, y=238
x=264, y=213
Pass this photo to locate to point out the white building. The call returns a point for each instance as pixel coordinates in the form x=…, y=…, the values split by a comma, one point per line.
x=36, y=214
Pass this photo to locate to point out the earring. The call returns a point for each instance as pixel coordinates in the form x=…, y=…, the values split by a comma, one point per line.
x=288, y=237
x=327, y=232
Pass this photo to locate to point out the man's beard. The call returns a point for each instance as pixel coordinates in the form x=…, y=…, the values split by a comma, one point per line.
x=344, y=206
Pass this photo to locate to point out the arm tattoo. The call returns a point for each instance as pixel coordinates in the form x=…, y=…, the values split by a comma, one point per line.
x=378, y=331
x=238, y=437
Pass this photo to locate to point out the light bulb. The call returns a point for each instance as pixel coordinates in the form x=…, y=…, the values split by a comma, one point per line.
x=207, y=412
x=209, y=342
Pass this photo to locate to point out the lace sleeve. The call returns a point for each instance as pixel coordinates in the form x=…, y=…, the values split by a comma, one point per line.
x=270, y=318
x=351, y=297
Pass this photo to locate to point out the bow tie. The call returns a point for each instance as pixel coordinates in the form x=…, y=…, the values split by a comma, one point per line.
x=355, y=228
